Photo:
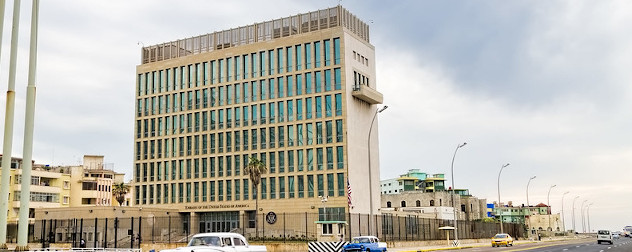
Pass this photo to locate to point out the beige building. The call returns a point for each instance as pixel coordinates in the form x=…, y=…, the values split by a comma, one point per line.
x=435, y=204
x=298, y=93
x=95, y=181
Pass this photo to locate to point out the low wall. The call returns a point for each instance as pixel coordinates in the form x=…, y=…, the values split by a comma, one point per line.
x=405, y=244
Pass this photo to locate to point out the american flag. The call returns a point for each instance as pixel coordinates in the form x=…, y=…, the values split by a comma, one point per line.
x=349, y=194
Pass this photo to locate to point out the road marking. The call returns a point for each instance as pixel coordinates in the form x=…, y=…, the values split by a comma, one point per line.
x=564, y=249
x=609, y=247
x=601, y=250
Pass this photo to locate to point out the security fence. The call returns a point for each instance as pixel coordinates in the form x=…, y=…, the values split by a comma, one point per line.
x=280, y=227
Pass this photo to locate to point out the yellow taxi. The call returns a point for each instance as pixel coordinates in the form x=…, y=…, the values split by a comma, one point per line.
x=502, y=239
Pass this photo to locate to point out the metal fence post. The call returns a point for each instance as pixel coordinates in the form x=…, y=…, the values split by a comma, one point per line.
x=80, y=231
x=115, y=232
x=105, y=233
x=95, y=232
x=131, y=244
x=169, y=233
x=306, y=235
x=140, y=222
x=43, y=240
x=263, y=226
x=283, y=227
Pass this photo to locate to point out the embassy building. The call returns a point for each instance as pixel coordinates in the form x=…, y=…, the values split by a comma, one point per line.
x=298, y=93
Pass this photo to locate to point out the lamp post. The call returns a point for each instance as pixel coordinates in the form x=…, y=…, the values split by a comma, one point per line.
x=588, y=215
x=500, y=212
x=369, y=155
x=563, y=225
x=548, y=196
x=582, y=212
x=574, y=230
x=324, y=199
x=456, y=233
x=528, y=189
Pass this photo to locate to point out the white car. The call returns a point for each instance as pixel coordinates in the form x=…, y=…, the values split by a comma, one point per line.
x=604, y=236
x=218, y=242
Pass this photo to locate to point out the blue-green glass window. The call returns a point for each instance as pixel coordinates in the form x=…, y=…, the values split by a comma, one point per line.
x=229, y=193
x=273, y=188
x=180, y=192
x=191, y=71
x=336, y=51
x=272, y=86
x=222, y=70
x=246, y=66
x=263, y=89
x=271, y=64
x=301, y=186
x=253, y=139
x=290, y=186
x=204, y=191
x=308, y=83
x=262, y=110
x=237, y=162
x=317, y=54
x=310, y=133
x=173, y=170
x=290, y=110
x=229, y=163
x=289, y=51
x=213, y=72
x=262, y=137
x=299, y=135
x=271, y=114
x=204, y=165
x=299, y=109
x=262, y=63
x=319, y=158
x=238, y=93
x=222, y=95
x=213, y=119
x=319, y=106
x=318, y=82
x=310, y=186
x=204, y=98
x=328, y=106
x=340, y=157
x=281, y=156
x=338, y=104
x=231, y=94
x=213, y=97
x=321, y=185
x=264, y=188
x=290, y=135
x=308, y=108
x=272, y=163
x=221, y=118
x=337, y=79
x=196, y=191
x=327, y=80
x=328, y=130
x=182, y=77
x=281, y=187
x=326, y=53
x=290, y=160
x=244, y=135
x=319, y=133
x=279, y=60
x=330, y=158
x=247, y=94
x=281, y=108
x=230, y=68
x=237, y=116
x=245, y=182
x=198, y=74
x=299, y=84
x=300, y=158
x=212, y=186
x=205, y=73
x=188, y=192
x=308, y=56
x=254, y=90
x=290, y=86
x=330, y=185
x=281, y=137
x=310, y=159
x=338, y=131
x=341, y=184
x=299, y=59
x=238, y=67
x=220, y=190
x=254, y=69
x=281, y=87
x=188, y=163
x=196, y=168
x=237, y=187
x=220, y=166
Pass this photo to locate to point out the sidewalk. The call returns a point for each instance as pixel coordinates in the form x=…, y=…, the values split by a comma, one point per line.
x=470, y=245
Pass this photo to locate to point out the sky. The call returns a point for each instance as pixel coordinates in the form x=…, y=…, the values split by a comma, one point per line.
x=542, y=85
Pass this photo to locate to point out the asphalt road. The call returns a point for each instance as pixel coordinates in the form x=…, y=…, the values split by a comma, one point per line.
x=584, y=245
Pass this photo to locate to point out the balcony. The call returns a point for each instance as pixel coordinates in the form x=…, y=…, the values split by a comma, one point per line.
x=367, y=94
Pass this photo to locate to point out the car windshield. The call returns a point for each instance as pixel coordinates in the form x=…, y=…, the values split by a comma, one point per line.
x=500, y=236
x=205, y=241
x=604, y=232
x=361, y=240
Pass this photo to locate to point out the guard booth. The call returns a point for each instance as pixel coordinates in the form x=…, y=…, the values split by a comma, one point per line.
x=331, y=231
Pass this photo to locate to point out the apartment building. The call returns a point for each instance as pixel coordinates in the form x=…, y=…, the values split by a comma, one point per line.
x=298, y=93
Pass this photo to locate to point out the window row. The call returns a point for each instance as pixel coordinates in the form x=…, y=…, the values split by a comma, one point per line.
x=301, y=186
x=238, y=93
x=231, y=165
x=234, y=117
x=242, y=140
x=241, y=67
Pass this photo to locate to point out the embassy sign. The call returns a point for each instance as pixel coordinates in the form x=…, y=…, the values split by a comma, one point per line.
x=220, y=206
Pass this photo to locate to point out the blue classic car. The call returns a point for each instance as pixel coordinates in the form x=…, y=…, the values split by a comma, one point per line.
x=365, y=243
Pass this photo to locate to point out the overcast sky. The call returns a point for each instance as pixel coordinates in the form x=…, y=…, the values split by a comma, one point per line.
x=543, y=85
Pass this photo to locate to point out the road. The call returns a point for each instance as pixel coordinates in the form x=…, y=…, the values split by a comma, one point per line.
x=584, y=245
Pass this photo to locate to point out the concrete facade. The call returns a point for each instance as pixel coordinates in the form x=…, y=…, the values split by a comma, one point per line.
x=471, y=208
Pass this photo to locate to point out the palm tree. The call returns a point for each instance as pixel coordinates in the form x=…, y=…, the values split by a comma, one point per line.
x=254, y=169
x=119, y=191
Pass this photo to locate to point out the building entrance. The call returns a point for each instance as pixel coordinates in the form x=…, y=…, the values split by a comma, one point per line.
x=219, y=222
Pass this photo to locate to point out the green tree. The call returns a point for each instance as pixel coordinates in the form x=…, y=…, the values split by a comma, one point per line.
x=119, y=191
x=254, y=169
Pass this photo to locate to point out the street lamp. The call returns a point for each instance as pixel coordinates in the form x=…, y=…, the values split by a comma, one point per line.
x=574, y=230
x=323, y=199
x=582, y=212
x=563, y=225
x=369, y=155
x=548, y=196
x=528, y=189
x=456, y=233
x=588, y=215
x=500, y=212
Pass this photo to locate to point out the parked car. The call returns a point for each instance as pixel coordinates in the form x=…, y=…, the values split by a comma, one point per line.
x=502, y=239
x=604, y=236
x=218, y=242
x=365, y=243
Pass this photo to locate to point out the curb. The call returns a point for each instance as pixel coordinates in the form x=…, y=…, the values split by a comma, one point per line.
x=475, y=246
